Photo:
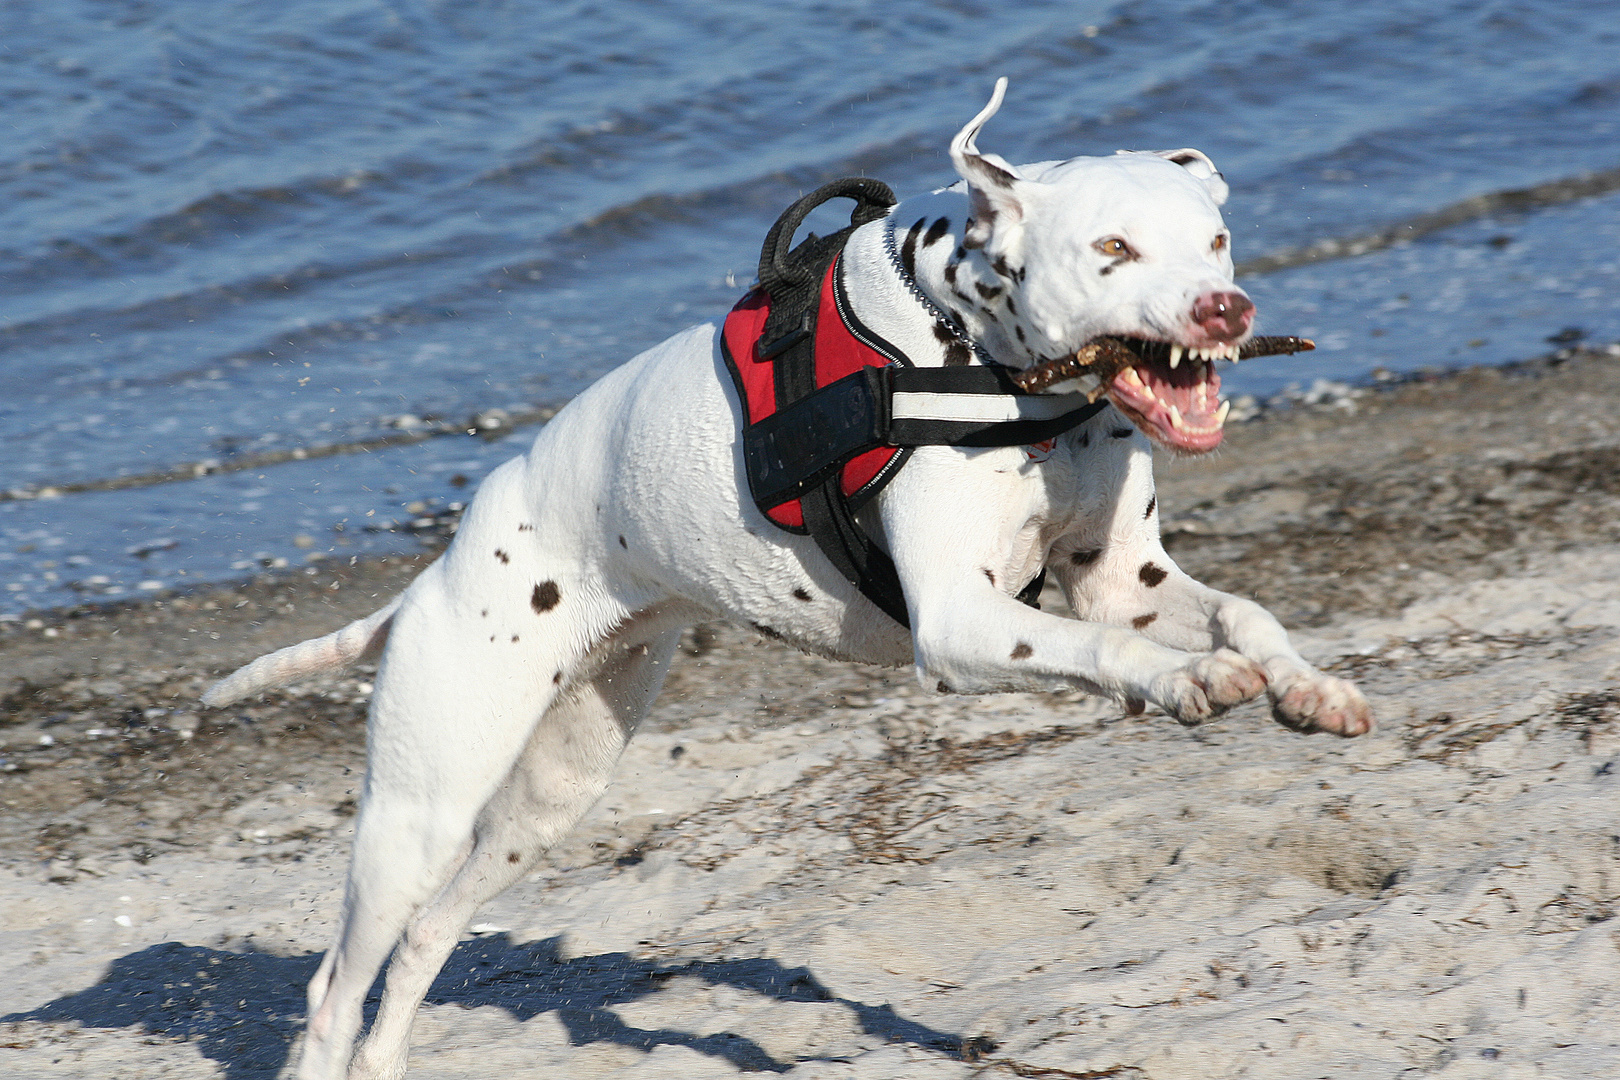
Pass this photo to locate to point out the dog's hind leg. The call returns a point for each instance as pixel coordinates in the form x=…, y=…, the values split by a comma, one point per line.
x=454, y=708
x=563, y=770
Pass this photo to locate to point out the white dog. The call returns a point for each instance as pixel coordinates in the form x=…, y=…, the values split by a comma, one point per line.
x=518, y=664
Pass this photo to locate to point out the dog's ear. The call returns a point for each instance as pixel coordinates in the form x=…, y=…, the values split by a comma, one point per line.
x=992, y=183
x=1196, y=162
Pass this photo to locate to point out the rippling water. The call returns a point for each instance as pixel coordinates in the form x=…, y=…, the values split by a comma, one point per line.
x=237, y=229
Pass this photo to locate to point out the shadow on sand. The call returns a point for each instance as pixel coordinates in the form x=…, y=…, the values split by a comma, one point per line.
x=244, y=1010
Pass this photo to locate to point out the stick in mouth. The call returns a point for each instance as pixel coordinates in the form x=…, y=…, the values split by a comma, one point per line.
x=1175, y=403
x=1109, y=355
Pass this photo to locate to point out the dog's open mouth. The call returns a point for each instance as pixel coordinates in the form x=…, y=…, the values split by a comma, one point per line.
x=1170, y=392
x=1174, y=398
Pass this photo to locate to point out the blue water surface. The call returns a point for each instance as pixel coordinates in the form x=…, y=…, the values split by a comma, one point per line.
x=228, y=228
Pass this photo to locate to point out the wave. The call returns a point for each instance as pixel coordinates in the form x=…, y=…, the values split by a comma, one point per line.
x=1490, y=204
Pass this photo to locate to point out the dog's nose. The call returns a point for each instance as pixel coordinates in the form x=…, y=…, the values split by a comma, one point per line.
x=1224, y=316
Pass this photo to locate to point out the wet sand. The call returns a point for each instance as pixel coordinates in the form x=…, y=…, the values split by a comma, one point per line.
x=817, y=868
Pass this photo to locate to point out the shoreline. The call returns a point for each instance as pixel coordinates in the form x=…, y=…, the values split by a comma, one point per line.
x=435, y=523
x=1291, y=403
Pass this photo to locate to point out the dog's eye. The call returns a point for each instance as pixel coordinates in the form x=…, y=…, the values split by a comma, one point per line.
x=1219, y=243
x=1114, y=248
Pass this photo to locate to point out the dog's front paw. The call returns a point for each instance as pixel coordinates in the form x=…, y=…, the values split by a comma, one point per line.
x=1309, y=701
x=1209, y=686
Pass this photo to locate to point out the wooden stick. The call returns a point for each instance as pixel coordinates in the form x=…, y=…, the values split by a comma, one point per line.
x=1108, y=356
x=1274, y=346
x=1104, y=357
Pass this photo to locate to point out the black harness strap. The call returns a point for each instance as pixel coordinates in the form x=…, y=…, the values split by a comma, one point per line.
x=793, y=280
x=796, y=448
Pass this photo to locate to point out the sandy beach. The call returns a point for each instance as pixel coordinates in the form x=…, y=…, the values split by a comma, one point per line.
x=822, y=871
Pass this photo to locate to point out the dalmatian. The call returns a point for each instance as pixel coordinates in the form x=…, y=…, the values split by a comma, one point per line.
x=515, y=667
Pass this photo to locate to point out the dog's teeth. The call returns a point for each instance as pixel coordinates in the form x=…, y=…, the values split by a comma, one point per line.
x=1220, y=414
x=1131, y=378
x=1175, y=356
x=1175, y=418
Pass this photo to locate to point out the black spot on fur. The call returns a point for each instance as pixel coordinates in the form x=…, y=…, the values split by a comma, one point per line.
x=989, y=292
x=999, y=265
x=484, y=614
x=800, y=594
x=1152, y=574
x=545, y=597
x=503, y=556
x=937, y=230
x=513, y=857
x=622, y=543
x=959, y=254
x=942, y=688
x=1142, y=620
x=556, y=680
x=525, y=527
x=957, y=354
x=514, y=639
x=767, y=631
x=1152, y=502
x=1085, y=558
x=943, y=333
x=1085, y=439
x=991, y=574
x=1019, y=330
x=1121, y=432
x=1109, y=269
x=908, y=250
x=950, y=273
x=1012, y=308
x=1021, y=651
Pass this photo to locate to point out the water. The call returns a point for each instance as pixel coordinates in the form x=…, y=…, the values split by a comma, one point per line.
x=233, y=231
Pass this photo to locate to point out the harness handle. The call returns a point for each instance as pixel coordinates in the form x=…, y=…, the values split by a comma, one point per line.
x=778, y=271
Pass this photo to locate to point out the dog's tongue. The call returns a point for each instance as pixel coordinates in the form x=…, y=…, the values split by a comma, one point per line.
x=1179, y=408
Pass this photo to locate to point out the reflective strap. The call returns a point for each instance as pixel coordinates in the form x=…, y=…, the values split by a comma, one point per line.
x=983, y=408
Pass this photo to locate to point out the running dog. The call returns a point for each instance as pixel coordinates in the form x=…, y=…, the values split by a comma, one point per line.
x=514, y=669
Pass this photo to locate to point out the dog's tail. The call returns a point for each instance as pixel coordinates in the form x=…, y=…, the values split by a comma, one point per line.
x=339, y=649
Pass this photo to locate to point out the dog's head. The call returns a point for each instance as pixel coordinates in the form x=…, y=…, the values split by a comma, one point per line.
x=1130, y=246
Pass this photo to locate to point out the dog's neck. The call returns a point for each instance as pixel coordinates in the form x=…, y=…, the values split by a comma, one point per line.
x=950, y=303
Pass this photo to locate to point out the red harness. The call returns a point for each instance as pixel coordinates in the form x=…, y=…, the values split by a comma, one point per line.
x=838, y=352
